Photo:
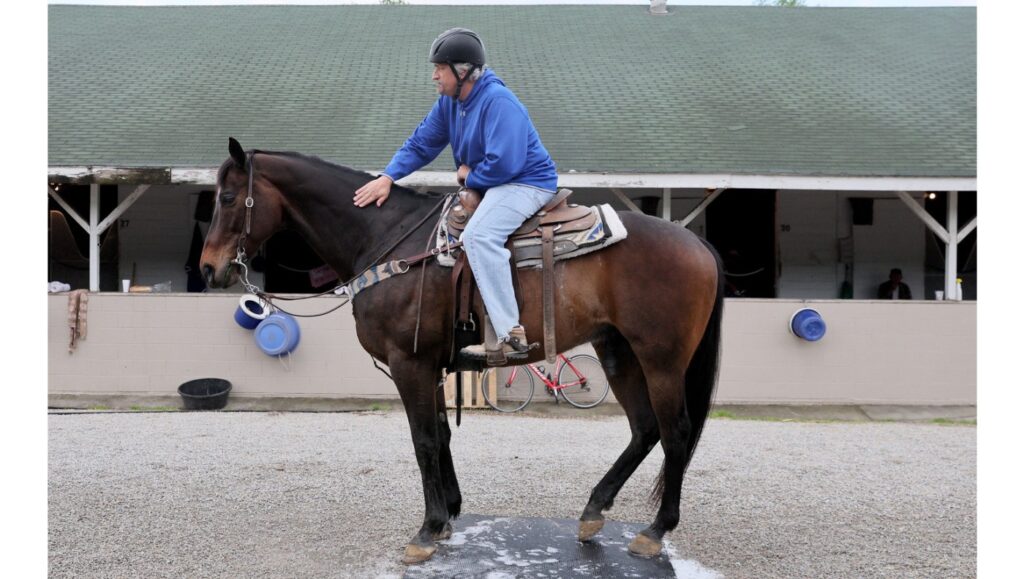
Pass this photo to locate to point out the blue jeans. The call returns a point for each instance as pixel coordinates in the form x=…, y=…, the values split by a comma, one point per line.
x=502, y=211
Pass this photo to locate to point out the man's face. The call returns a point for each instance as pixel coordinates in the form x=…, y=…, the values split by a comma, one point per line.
x=444, y=79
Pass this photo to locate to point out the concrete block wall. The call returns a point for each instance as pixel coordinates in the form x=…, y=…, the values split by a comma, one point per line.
x=148, y=344
x=874, y=352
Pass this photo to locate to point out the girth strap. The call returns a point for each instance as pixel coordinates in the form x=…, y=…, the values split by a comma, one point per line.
x=548, y=255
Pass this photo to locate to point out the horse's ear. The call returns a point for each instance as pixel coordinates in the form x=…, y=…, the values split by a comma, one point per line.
x=237, y=153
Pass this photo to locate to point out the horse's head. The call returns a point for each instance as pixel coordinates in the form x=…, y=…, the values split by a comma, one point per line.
x=228, y=230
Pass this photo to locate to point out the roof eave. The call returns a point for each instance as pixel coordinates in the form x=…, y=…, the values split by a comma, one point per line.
x=208, y=176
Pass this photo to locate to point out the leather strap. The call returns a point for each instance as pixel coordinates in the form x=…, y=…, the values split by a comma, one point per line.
x=455, y=312
x=461, y=286
x=458, y=398
x=562, y=195
x=466, y=297
x=433, y=252
x=548, y=255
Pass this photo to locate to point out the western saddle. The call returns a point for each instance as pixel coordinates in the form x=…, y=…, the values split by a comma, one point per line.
x=558, y=215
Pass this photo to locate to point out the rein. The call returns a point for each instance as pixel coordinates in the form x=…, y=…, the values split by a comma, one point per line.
x=345, y=289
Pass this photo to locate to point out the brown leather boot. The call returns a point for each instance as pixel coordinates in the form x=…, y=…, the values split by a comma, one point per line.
x=515, y=347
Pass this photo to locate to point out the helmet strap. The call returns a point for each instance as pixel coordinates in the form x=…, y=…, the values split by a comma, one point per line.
x=460, y=79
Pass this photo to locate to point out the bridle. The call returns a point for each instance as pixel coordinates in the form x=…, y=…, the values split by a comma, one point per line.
x=240, y=256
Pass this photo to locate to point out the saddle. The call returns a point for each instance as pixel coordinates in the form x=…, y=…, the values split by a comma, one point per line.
x=558, y=215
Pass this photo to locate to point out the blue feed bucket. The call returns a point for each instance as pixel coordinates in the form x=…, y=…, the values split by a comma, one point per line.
x=251, y=311
x=807, y=324
x=278, y=334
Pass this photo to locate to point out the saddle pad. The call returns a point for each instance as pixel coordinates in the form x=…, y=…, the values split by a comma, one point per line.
x=607, y=229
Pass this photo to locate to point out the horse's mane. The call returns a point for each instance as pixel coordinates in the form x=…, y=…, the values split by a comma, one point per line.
x=342, y=170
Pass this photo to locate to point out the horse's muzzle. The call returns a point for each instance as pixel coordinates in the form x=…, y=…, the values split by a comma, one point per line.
x=208, y=272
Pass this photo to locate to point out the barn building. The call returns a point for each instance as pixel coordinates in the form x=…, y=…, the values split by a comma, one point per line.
x=816, y=148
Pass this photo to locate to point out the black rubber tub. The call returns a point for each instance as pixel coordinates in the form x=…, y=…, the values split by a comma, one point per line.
x=205, y=393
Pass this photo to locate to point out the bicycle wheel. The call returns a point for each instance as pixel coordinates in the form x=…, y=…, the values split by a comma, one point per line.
x=513, y=388
x=585, y=385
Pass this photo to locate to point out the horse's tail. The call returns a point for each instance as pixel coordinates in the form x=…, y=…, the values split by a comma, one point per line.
x=701, y=376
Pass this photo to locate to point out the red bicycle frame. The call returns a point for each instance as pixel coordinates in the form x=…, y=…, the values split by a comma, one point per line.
x=553, y=385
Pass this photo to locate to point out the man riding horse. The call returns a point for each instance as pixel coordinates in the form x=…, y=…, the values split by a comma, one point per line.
x=498, y=153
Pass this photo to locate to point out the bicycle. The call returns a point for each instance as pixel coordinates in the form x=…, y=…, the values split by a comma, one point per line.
x=580, y=381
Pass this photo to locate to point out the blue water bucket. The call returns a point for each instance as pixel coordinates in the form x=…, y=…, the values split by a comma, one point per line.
x=278, y=334
x=251, y=311
x=807, y=324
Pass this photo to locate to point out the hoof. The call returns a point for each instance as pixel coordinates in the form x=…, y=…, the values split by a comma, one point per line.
x=445, y=534
x=644, y=546
x=417, y=554
x=590, y=528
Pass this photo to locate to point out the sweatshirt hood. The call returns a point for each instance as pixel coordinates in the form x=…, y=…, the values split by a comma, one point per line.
x=486, y=79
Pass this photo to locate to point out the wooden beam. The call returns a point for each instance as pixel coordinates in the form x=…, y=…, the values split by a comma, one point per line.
x=600, y=180
x=78, y=219
x=622, y=197
x=967, y=230
x=701, y=206
x=122, y=207
x=930, y=221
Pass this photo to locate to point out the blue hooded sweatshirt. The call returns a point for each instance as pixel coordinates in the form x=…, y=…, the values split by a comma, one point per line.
x=491, y=132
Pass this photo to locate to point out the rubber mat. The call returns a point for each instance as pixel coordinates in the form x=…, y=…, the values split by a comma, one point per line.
x=504, y=547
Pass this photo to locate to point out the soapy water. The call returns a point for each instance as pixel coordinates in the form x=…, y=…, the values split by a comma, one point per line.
x=500, y=547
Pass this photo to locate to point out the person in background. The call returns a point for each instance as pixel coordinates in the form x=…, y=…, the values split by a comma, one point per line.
x=894, y=289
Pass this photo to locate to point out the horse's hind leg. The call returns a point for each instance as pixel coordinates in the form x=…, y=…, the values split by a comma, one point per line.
x=627, y=381
x=665, y=374
x=449, y=482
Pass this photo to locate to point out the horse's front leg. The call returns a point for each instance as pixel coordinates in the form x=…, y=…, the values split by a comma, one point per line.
x=416, y=381
x=450, y=483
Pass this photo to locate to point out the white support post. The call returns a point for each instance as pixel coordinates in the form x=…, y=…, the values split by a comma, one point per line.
x=666, y=204
x=622, y=197
x=924, y=215
x=967, y=229
x=701, y=206
x=951, y=244
x=94, y=238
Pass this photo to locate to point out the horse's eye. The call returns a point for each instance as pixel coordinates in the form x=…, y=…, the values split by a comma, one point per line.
x=227, y=197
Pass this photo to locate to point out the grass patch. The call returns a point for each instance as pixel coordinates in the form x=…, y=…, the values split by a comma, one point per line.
x=722, y=414
x=376, y=407
x=153, y=409
x=99, y=407
x=949, y=422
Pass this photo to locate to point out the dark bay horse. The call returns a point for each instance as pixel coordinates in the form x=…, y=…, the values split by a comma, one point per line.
x=651, y=305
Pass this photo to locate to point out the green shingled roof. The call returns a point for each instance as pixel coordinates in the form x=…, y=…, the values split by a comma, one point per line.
x=740, y=90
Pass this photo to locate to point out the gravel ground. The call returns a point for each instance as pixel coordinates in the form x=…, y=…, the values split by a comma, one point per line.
x=338, y=494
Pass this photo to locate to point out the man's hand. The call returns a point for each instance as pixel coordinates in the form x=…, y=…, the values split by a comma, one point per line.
x=376, y=190
x=463, y=173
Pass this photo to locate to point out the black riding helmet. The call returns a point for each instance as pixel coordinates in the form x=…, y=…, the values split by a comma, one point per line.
x=458, y=45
